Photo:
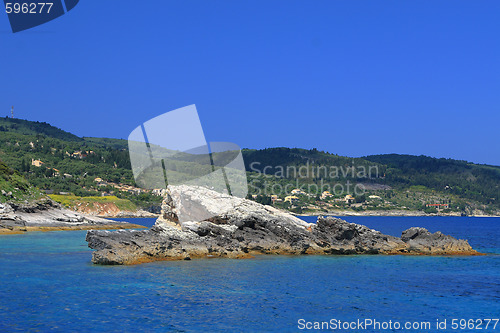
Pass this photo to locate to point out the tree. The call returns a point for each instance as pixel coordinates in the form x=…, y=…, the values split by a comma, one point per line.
x=360, y=198
x=264, y=199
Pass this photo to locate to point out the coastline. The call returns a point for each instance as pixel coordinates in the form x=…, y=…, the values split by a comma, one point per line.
x=113, y=213
x=46, y=228
x=46, y=215
x=387, y=213
x=128, y=215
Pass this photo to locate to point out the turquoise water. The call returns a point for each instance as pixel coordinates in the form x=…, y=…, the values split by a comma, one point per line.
x=47, y=283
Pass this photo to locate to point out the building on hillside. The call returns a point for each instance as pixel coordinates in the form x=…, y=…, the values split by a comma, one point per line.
x=298, y=191
x=325, y=194
x=79, y=154
x=134, y=191
x=101, y=182
x=349, y=199
x=37, y=163
x=291, y=199
x=374, y=197
x=438, y=206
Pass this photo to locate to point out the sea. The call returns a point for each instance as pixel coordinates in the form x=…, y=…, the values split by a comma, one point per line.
x=48, y=283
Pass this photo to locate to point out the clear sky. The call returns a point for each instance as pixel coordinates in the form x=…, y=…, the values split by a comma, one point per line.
x=350, y=77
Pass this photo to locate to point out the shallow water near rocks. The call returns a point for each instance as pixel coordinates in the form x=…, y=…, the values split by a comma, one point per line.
x=48, y=283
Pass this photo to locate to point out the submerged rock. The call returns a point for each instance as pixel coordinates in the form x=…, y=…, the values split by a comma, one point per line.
x=197, y=223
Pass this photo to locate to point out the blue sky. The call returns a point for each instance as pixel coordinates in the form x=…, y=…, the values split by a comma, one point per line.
x=349, y=77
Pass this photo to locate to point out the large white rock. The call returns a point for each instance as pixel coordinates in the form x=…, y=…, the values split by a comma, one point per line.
x=185, y=203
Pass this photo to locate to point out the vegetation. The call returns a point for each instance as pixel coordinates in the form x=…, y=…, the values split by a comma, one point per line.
x=72, y=201
x=471, y=181
x=69, y=164
x=72, y=165
x=401, y=182
x=14, y=188
x=27, y=127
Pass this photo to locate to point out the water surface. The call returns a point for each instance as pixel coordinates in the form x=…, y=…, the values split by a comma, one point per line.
x=48, y=283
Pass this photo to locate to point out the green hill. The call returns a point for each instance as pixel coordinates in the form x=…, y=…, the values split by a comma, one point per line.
x=468, y=180
x=116, y=144
x=26, y=127
x=288, y=157
x=58, y=161
x=15, y=188
x=71, y=164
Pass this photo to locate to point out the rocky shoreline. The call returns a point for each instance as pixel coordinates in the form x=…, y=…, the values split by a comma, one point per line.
x=132, y=215
x=240, y=228
x=127, y=214
x=46, y=215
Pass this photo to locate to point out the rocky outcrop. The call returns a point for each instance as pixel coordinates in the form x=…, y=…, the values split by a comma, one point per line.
x=198, y=223
x=420, y=240
x=47, y=215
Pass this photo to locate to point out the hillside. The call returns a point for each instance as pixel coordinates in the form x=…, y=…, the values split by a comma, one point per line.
x=60, y=162
x=478, y=182
x=14, y=188
x=57, y=161
x=275, y=158
x=469, y=180
x=116, y=144
x=417, y=183
x=26, y=127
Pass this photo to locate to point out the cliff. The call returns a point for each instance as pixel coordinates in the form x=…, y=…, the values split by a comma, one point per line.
x=106, y=207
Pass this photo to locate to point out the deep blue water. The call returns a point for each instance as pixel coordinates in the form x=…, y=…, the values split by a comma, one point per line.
x=47, y=283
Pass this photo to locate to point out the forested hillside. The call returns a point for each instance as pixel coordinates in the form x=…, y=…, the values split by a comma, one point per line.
x=14, y=188
x=58, y=161
x=477, y=182
x=21, y=126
